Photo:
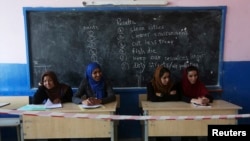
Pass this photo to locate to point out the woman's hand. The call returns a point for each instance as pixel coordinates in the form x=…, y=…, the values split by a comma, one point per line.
x=201, y=101
x=158, y=94
x=56, y=101
x=173, y=92
x=92, y=101
x=204, y=101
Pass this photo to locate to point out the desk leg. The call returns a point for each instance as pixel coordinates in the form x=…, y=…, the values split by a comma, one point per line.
x=18, y=129
x=145, y=127
x=21, y=129
x=113, y=130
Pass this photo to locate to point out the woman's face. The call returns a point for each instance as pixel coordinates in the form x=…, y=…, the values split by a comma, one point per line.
x=97, y=74
x=165, y=78
x=48, y=82
x=192, y=76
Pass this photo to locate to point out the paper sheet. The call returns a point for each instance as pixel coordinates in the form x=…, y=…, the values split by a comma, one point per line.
x=201, y=106
x=2, y=104
x=50, y=105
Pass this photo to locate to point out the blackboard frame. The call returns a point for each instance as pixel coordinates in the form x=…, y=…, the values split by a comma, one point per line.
x=223, y=9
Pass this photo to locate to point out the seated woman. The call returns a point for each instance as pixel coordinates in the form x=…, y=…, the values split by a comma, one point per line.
x=94, y=88
x=193, y=91
x=162, y=88
x=50, y=88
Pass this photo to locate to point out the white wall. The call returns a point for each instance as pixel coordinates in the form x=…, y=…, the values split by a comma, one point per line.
x=12, y=32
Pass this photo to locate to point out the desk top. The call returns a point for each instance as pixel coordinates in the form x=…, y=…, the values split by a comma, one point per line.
x=15, y=101
x=180, y=105
x=71, y=107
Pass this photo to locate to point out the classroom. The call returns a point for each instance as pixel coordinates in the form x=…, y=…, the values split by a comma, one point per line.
x=20, y=71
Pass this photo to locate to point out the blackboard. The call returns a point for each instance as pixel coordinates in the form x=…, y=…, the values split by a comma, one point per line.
x=128, y=42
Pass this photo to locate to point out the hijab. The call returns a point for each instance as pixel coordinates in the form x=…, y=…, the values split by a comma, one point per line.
x=96, y=86
x=193, y=90
x=156, y=81
x=55, y=92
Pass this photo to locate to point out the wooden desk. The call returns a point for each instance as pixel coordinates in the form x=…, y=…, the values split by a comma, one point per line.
x=39, y=127
x=15, y=102
x=184, y=127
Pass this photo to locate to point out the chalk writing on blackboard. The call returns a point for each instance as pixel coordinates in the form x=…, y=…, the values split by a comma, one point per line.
x=128, y=42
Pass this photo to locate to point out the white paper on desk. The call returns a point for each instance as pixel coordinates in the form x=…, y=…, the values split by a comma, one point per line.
x=50, y=105
x=201, y=106
x=90, y=106
x=4, y=104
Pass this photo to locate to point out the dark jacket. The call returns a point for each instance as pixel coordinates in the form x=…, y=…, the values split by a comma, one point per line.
x=41, y=94
x=188, y=99
x=84, y=91
x=151, y=96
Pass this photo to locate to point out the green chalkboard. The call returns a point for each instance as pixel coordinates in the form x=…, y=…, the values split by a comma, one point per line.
x=128, y=42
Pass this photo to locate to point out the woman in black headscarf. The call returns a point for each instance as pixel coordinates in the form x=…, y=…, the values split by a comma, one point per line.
x=50, y=88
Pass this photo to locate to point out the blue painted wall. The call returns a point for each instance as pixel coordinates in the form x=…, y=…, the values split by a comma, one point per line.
x=14, y=80
x=236, y=86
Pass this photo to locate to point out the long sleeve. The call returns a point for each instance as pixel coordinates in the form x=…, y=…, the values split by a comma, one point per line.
x=151, y=96
x=80, y=93
x=110, y=95
x=210, y=97
x=180, y=91
x=39, y=96
x=84, y=91
x=188, y=99
x=67, y=93
x=151, y=93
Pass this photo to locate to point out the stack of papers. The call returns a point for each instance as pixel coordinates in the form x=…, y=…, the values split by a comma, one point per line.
x=40, y=107
x=50, y=105
x=4, y=104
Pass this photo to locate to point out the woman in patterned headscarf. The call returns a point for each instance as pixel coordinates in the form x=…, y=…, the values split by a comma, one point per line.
x=161, y=87
x=94, y=88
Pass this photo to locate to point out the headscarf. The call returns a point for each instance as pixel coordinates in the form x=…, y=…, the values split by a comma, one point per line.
x=55, y=91
x=96, y=86
x=157, y=84
x=193, y=90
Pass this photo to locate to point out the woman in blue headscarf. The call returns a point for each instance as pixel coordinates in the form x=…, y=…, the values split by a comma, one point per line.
x=94, y=88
